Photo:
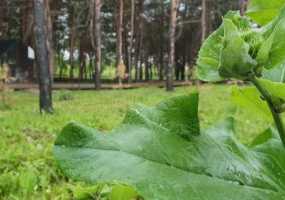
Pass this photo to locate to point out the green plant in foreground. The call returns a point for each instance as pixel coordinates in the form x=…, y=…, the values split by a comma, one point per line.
x=162, y=153
x=237, y=50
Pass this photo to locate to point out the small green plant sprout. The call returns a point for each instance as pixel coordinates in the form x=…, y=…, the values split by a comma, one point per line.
x=162, y=154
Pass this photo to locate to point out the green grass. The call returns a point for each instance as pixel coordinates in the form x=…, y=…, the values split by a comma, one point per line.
x=27, y=168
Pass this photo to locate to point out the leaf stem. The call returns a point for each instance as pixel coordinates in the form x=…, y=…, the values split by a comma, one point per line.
x=276, y=116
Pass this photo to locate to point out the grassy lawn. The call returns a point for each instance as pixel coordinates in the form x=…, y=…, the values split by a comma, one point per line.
x=27, y=168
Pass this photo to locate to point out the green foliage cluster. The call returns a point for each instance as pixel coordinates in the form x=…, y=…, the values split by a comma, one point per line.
x=238, y=49
x=247, y=52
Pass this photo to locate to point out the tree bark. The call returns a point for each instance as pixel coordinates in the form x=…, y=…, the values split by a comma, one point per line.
x=50, y=45
x=139, y=40
x=126, y=47
x=161, y=44
x=133, y=2
x=45, y=84
x=147, y=67
x=4, y=19
x=98, y=53
x=81, y=63
x=171, y=64
x=27, y=22
x=141, y=57
x=120, y=12
x=243, y=7
x=204, y=20
x=72, y=43
x=61, y=65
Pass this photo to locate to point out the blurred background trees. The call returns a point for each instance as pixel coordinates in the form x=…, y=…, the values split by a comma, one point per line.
x=73, y=34
x=88, y=39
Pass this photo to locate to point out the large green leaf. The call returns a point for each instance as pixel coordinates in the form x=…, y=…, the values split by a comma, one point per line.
x=276, y=91
x=250, y=98
x=263, y=11
x=210, y=54
x=276, y=74
x=272, y=52
x=163, y=156
x=209, y=57
x=235, y=59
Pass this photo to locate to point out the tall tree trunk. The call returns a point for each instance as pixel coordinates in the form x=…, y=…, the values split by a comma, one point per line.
x=186, y=40
x=81, y=63
x=161, y=44
x=171, y=64
x=61, y=65
x=147, y=67
x=27, y=21
x=26, y=29
x=98, y=53
x=91, y=67
x=243, y=6
x=50, y=45
x=126, y=47
x=204, y=20
x=133, y=3
x=139, y=38
x=120, y=14
x=137, y=55
x=141, y=56
x=45, y=84
x=3, y=19
x=72, y=43
x=150, y=71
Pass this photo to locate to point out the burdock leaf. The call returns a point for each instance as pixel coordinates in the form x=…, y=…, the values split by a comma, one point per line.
x=263, y=11
x=151, y=155
x=236, y=61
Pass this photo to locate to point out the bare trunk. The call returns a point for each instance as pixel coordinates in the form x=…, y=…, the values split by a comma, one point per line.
x=139, y=40
x=27, y=21
x=171, y=64
x=147, y=68
x=81, y=63
x=120, y=12
x=126, y=47
x=92, y=23
x=61, y=65
x=49, y=29
x=72, y=44
x=141, y=55
x=137, y=57
x=204, y=20
x=98, y=53
x=45, y=83
x=161, y=43
x=243, y=7
x=3, y=19
x=133, y=2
